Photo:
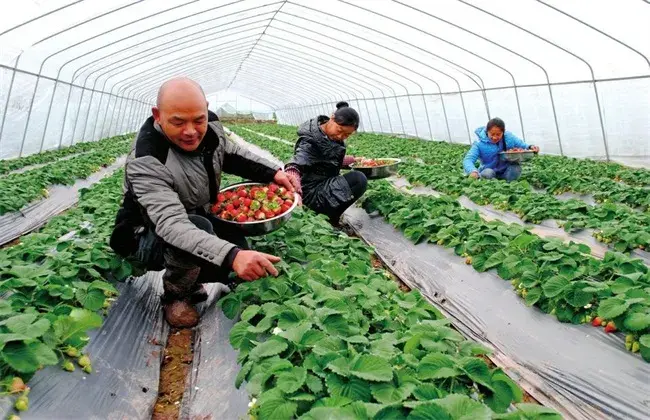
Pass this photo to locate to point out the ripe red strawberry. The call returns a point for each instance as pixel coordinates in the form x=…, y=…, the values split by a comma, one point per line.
x=269, y=214
x=250, y=219
x=228, y=195
x=596, y=321
x=236, y=202
x=247, y=202
x=270, y=195
x=230, y=207
x=610, y=327
x=234, y=213
x=242, y=193
x=244, y=209
x=241, y=218
x=288, y=203
x=284, y=208
x=259, y=215
x=273, y=187
x=221, y=198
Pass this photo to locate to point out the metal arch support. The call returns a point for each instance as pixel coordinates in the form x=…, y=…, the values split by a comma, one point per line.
x=40, y=70
x=256, y=42
x=317, y=63
x=514, y=82
x=345, y=52
x=340, y=66
x=645, y=58
x=144, y=76
x=591, y=70
x=351, y=22
x=313, y=63
x=147, y=53
x=170, y=47
x=39, y=17
x=201, y=69
x=398, y=52
x=232, y=49
x=154, y=79
x=166, y=33
x=557, y=127
x=99, y=35
x=127, y=68
x=4, y=112
x=112, y=89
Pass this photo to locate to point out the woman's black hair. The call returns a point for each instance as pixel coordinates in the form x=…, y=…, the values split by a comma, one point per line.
x=346, y=116
x=496, y=122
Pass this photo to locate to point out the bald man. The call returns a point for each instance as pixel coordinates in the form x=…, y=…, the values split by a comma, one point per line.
x=172, y=177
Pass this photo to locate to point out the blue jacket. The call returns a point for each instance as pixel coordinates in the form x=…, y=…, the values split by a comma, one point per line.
x=488, y=152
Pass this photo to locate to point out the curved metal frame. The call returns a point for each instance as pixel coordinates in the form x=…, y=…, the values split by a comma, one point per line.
x=134, y=99
x=548, y=80
x=150, y=52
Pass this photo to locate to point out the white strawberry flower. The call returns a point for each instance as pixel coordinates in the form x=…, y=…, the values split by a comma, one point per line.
x=277, y=330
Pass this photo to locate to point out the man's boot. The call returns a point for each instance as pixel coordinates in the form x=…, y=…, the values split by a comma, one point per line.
x=179, y=283
x=181, y=314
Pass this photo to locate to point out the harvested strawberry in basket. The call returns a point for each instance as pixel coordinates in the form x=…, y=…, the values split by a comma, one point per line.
x=252, y=203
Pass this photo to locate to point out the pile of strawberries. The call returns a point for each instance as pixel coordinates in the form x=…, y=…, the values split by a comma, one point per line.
x=253, y=203
x=372, y=163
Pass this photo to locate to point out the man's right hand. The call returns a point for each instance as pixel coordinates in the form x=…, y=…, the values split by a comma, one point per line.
x=252, y=265
x=474, y=175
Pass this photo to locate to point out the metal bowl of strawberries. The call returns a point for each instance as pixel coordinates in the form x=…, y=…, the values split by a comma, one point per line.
x=256, y=209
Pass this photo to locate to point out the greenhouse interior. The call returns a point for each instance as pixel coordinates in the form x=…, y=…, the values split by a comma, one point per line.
x=332, y=209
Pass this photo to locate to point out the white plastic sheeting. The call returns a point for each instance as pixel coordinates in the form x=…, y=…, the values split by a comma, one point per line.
x=572, y=77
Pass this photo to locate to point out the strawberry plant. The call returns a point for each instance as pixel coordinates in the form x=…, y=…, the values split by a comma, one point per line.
x=9, y=165
x=54, y=285
x=334, y=337
x=22, y=188
x=561, y=279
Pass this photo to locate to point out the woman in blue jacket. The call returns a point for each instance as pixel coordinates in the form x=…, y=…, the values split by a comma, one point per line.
x=493, y=139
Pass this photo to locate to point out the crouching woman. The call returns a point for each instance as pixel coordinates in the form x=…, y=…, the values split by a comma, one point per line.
x=319, y=156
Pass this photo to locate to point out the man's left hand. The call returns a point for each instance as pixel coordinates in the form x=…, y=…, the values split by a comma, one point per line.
x=283, y=180
x=534, y=149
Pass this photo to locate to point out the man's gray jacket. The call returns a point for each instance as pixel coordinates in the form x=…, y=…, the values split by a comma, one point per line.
x=163, y=184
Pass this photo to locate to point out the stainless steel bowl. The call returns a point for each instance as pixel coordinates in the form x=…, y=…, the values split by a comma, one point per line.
x=517, y=156
x=260, y=227
x=377, y=172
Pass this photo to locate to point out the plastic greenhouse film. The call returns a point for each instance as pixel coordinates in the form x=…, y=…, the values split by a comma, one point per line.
x=210, y=391
x=126, y=353
x=14, y=225
x=582, y=373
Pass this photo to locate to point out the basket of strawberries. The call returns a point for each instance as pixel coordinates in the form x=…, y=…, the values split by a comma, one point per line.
x=255, y=208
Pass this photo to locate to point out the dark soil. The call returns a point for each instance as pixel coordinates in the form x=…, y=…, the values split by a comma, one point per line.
x=173, y=373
